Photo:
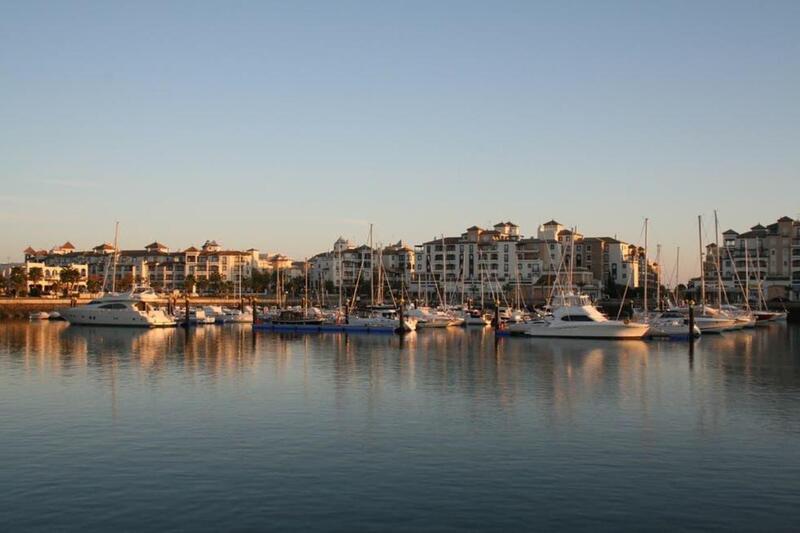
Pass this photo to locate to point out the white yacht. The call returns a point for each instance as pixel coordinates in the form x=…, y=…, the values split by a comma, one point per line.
x=378, y=317
x=671, y=324
x=135, y=308
x=428, y=318
x=476, y=317
x=576, y=317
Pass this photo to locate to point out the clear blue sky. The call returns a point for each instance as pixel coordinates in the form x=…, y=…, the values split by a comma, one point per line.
x=283, y=125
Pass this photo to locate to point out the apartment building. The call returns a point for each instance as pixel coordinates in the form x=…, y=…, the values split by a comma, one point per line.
x=155, y=264
x=763, y=258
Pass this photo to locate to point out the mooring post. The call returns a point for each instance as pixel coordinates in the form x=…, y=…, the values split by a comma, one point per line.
x=691, y=321
x=186, y=309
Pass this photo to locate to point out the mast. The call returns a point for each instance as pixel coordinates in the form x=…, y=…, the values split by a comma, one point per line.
x=341, y=275
x=746, y=276
x=646, y=270
x=305, y=296
x=658, y=277
x=114, y=259
x=444, y=275
x=717, y=261
x=677, y=273
x=702, y=269
x=371, y=269
x=480, y=276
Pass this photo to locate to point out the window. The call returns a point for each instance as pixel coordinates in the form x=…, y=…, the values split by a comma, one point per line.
x=112, y=306
x=576, y=318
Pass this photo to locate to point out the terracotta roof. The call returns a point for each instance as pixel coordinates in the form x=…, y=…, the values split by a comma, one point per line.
x=67, y=246
x=191, y=249
x=729, y=232
x=472, y=228
x=565, y=232
x=758, y=227
x=785, y=219
x=551, y=223
x=29, y=250
x=155, y=244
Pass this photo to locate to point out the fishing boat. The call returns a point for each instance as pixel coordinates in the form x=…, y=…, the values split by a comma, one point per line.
x=39, y=315
x=576, y=317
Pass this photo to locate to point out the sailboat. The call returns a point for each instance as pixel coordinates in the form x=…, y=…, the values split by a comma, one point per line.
x=707, y=319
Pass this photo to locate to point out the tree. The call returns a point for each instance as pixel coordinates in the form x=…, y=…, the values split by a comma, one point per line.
x=69, y=277
x=125, y=283
x=215, y=282
x=35, y=276
x=189, y=284
x=94, y=284
x=202, y=285
x=18, y=281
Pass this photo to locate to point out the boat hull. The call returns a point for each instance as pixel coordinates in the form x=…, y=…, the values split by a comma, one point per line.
x=601, y=330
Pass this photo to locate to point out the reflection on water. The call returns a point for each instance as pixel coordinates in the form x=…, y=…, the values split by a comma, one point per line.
x=470, y=362
x=330, y=417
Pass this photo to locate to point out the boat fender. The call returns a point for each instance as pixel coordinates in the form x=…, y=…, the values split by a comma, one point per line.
x=627, y=321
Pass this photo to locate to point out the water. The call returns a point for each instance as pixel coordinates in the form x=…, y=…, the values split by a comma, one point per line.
x=114, y=429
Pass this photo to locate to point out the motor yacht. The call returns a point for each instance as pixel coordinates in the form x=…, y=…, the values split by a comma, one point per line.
x=576, y=317
x=136, y=308
x=475, y=317
x=428, y=318
x=671, y=324
x=382, y=318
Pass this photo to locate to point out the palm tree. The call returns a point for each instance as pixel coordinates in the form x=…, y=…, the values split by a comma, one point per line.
x=35, y=276
x=18, y=280
x=70, y=277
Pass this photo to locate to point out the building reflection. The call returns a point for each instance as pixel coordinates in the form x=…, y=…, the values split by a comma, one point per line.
x=559, y=380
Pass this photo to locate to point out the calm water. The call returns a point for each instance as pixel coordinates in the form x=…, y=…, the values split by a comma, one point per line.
x=121, y=429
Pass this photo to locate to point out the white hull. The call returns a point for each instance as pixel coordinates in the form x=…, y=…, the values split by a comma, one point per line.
x=610, y=329
x=434, y=323
x=671, y=329
x=714, y=325
x=122, y=317
x=408, y=324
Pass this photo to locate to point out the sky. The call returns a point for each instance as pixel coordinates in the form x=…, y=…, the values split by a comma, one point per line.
x=283, y=125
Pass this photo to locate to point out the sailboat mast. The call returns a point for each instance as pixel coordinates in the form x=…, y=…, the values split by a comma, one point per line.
x=305, y=296
x=677, y=273
x=716, y=257
x=114, y=259
x=702, y=269
x=646, y=270
x=444, y=274
x=341, y=276
x=658, y=276
x=371, y=269
x=746, y=276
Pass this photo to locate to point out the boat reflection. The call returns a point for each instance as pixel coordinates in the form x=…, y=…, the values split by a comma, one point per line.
x=553, y=377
